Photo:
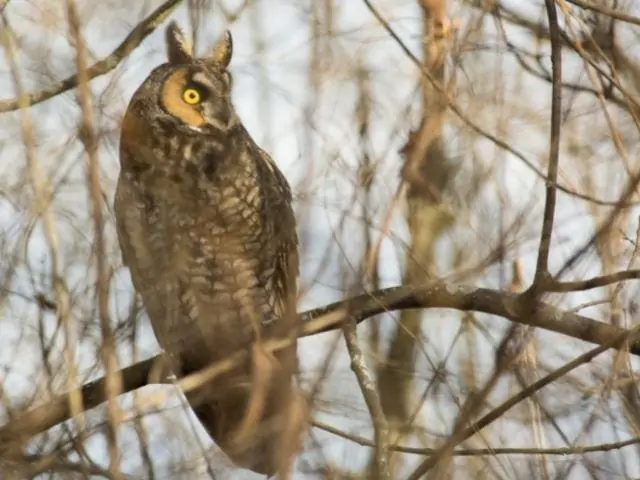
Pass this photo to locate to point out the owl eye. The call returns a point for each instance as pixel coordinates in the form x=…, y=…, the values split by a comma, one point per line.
x=191, y=96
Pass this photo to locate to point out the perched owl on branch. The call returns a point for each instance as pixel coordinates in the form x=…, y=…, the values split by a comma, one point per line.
x=206, y=226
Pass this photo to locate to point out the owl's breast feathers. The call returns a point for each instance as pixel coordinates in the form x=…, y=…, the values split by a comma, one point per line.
x=210, y=241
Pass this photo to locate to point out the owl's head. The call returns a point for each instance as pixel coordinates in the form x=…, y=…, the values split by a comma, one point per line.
x=192, y=94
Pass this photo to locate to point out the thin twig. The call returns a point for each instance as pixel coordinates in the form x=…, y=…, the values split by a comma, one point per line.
x=113, y=386
x=128, y=45
x=500, y=410
x=629, y=192
x=42, y=200
x=590, y=283
x=474, y=126
x=471, y=407
x=609, y=12
x=474, y=452
x=542, y=265
x=372, y=399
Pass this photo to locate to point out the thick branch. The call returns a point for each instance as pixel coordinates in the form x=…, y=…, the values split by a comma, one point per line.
x=435, y=295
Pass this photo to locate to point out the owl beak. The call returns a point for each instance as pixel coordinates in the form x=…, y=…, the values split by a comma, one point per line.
x=196, y=128
x=220, y=120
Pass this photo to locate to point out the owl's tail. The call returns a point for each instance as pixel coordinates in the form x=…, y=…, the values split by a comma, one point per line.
x=257, y=422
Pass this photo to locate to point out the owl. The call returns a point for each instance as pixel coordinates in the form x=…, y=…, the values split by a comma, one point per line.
x=206, y=227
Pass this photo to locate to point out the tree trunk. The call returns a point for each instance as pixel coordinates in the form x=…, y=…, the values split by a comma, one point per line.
x=426, y=174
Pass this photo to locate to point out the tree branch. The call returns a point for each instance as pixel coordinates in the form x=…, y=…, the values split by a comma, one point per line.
x=542, y=266
x=90, y=141
x=128, y=45
x=435, y=295
x=554, y=285
x=501, y=409
x=610, y=12
x=476, y=452
x=370, y=393
x=465, y=119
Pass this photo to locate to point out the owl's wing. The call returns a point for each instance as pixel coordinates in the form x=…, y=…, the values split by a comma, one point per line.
x=130, y=230
x=287, y=271
x=280, y=207
x=119, y=205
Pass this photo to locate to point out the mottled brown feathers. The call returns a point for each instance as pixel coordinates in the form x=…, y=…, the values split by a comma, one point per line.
x=132, y=129
x=206, y=225
x=173, y=102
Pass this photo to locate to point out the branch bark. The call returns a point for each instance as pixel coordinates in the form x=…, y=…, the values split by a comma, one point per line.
x=511, y=306
x=372, y=399
x=542, y=266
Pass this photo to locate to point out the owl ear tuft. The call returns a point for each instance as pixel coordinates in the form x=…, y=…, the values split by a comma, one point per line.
x=179, y=49
x=223, y=50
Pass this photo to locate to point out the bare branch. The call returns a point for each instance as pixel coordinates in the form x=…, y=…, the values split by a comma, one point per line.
x=610, y=12
x=590, y=283
x=437, y=295
x=128, y=45
x=473, y=452
x=511, y=402
x=629, y=192
x=477, y=128
x=542, y=266
x=42, y=199
x=370, y=394
x=90, y=141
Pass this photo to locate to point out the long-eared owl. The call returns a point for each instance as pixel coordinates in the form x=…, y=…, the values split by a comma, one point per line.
x=206, y=226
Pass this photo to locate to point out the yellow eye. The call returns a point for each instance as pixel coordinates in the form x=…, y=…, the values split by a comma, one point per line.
x=191, y=96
